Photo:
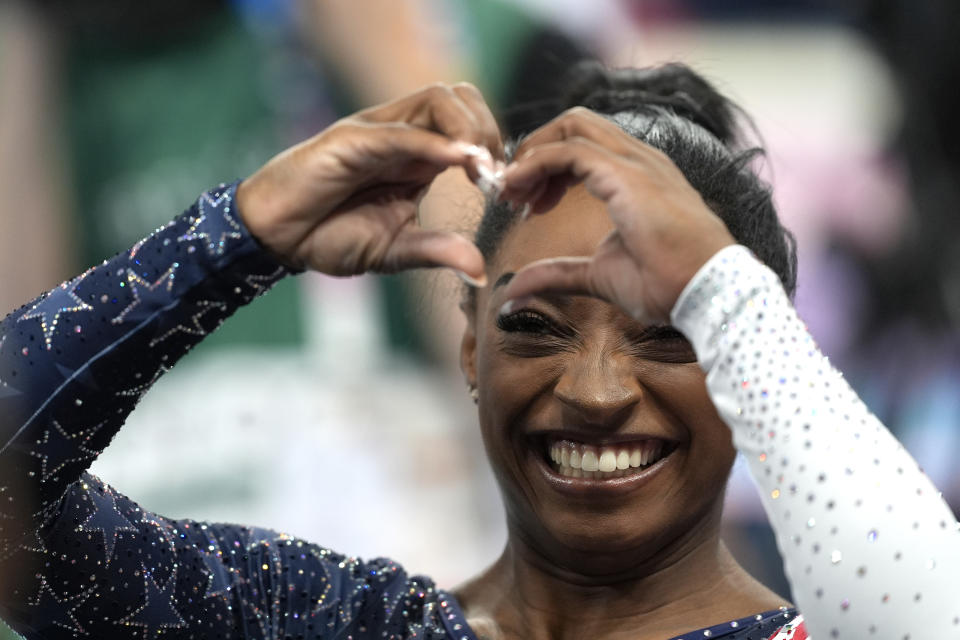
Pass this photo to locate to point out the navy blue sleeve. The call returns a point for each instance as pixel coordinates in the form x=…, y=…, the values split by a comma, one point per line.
x=78, y=559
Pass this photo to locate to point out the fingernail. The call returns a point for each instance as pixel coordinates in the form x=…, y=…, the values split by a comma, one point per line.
x=480, y=154
x=472, y=282
x=489, y=181
x=513, y=304
x=470, y=149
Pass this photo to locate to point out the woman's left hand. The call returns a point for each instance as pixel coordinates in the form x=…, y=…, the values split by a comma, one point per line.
x=664, y=231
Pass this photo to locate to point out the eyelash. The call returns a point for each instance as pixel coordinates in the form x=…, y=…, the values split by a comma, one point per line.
x=527, y=321
x=549, y=335
x=665, y=344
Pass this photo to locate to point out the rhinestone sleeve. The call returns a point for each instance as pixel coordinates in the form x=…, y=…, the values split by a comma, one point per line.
x=77, y=558
x=869, y=546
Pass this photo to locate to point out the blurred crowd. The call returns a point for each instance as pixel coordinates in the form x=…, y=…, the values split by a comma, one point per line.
x=113, y=117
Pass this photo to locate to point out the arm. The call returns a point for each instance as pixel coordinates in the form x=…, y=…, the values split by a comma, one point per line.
x=77, y=557
x=73, y=364
x=865, y=536
x=869, y=545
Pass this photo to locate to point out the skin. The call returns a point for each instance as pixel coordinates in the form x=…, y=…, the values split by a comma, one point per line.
x=617, y=233
x=645, y=564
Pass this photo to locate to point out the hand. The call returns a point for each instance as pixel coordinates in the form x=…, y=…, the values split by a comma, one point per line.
x=345, y=201
x=664, y=231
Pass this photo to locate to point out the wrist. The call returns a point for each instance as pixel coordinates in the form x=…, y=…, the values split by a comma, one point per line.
x=254, y=210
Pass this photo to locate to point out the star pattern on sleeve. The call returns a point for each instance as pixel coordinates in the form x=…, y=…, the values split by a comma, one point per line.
x=106, y=519
x=194, y=328
x=157, y=613
x=58, y=448
x=219, y=576
x=139, y=390
x=60, y=301
x=141, y=290
x=135, y=249
x=262, y=283
x=206, y=226
x=58, y=610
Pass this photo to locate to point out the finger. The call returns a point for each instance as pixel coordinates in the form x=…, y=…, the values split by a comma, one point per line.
x=573, y=160
x=458, y=112
x=489, y=130
x=415, y=248
x=436, y=108
x=571, y=276
x=394, y=142
x=580, y=122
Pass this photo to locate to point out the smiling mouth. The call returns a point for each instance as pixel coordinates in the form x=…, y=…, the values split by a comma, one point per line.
x=572, y=459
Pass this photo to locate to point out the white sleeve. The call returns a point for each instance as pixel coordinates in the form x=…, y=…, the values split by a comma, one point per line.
x=869, y=546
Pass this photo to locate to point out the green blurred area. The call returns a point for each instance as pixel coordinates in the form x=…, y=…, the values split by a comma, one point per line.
x=150, y=126
x=6, y=633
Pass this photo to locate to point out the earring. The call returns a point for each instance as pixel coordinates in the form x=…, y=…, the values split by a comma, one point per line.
x=474, y=393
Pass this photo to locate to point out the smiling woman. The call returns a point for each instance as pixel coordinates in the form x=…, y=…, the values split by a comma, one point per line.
x=631, y=343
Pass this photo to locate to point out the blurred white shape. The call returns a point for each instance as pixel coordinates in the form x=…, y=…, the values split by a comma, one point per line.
x=379, y=462
x=344, y=322
x=600, y=23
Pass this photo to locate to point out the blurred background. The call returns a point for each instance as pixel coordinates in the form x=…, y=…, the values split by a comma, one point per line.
x=114, y=116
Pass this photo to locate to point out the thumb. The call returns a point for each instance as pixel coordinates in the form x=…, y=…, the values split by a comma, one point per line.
x=414, y=248
x=554, y=275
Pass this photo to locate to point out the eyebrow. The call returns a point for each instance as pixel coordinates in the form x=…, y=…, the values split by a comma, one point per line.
x=559, y=301
x=504, y=279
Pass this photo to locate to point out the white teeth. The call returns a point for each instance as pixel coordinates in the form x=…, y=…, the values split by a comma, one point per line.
x=589, y=461
x=608, y=461
x=576, y=460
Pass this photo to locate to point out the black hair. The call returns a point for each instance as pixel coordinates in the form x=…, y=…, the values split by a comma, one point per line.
x=675, y=110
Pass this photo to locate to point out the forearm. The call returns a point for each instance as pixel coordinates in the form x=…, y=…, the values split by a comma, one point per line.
x=867, y=541
x=74, y=362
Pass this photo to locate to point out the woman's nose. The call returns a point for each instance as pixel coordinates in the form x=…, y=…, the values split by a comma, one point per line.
x=601, y=389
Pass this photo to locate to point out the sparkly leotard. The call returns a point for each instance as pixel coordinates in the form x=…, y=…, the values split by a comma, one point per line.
x=78, y=559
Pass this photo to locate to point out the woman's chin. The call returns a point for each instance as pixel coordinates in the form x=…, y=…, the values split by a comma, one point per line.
x=601, y=544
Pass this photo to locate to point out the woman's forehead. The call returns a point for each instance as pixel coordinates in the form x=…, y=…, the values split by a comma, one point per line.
x=574, y=227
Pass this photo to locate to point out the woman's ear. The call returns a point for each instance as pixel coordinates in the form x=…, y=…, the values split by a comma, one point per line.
x=468, y=346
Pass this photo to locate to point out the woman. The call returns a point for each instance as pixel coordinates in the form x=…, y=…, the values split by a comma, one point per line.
x=610, y=444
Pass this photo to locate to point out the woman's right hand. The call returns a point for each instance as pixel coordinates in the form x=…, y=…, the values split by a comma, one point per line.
x=345, y=201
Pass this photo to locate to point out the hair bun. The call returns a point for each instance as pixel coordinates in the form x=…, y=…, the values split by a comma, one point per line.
x=673, y=86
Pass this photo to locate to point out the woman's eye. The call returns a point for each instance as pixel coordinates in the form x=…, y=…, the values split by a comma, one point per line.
x=665, y=344
x=526, y=321
x=531, y=334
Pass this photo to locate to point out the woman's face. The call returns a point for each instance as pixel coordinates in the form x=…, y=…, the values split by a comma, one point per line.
x=570, y=381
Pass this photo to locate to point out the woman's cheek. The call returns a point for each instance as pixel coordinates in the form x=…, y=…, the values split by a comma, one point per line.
x=682, y=391
x=513, y=380
x=516, y=389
